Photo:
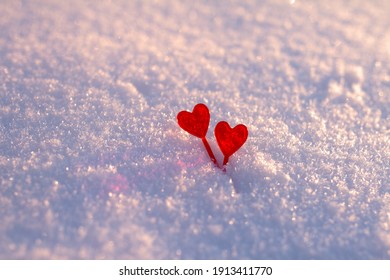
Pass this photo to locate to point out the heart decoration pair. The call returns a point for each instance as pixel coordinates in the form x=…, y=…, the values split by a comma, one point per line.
x=229, y=139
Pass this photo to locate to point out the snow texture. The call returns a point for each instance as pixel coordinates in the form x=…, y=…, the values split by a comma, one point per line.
x=94, y=166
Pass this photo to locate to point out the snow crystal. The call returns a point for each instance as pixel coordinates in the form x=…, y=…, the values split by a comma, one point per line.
x=93, y=164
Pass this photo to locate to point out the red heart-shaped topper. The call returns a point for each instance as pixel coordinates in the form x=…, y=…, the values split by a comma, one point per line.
x=197, y=122
x=230, y=139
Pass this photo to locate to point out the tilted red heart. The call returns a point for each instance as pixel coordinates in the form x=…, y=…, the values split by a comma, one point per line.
x=197, y=122
x=230, y=139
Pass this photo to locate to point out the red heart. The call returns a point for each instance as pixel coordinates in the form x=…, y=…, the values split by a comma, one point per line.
x=197, y=122
x=230, y=139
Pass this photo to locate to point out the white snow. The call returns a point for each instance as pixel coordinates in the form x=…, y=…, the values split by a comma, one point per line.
x=94, y=166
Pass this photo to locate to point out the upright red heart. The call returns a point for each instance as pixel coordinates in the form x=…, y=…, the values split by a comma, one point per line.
x=197, y=122
x=230, y=139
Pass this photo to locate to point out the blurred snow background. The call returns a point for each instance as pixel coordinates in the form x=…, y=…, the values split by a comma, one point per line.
x=93, y=164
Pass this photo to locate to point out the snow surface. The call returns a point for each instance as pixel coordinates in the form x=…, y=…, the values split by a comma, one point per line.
x=94, y=166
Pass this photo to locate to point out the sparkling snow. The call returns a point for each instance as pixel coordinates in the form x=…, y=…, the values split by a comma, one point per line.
x=93, y=164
